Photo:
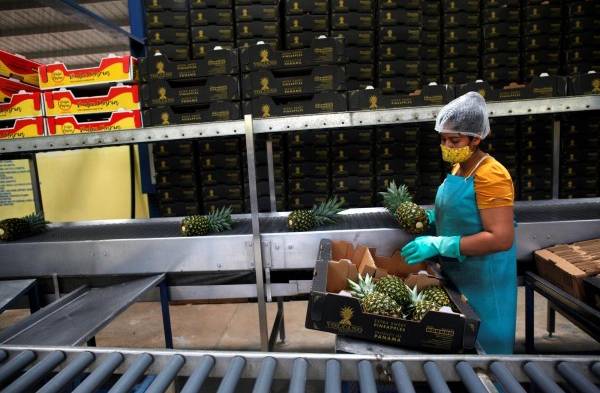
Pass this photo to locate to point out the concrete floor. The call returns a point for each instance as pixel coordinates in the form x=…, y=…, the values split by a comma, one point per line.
x=235, y=327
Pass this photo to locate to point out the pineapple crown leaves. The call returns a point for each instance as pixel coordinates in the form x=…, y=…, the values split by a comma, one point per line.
x=37, y=222
x=365, y=285
x=326, y=212
x=220, y=219
x=394, y=196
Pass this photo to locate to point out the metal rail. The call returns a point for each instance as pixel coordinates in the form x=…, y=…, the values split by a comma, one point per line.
x=27, y=368
x=291, y=123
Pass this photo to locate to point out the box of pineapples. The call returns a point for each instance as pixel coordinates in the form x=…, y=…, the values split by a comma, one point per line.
x=359, y=294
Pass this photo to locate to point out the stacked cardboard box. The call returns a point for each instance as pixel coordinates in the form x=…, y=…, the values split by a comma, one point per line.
x=580, y=157
x=535, y=156
x=462, y=40
x=501, y=27
x=502, y=144
x=211, y=25
x=352, y=166
x=256, y=21
x=317, y=12
x=430, y=51
x=431, y=167
x=168, y=28
x=21, y=108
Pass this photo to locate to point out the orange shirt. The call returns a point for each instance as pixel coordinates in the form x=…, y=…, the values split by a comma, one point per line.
x=493, y=185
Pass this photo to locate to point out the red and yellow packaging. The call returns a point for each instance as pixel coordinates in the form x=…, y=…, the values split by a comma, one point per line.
x=24, y=128
x=64, y=102
x=112, y=69
x=13, y=66
x=9, y=87
x=22, y=104
x=118, y=121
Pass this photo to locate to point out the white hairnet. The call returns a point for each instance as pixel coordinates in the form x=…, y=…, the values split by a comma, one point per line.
x=466, y=115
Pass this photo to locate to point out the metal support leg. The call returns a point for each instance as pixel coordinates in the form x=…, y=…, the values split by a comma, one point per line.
x=35, y=185
x=529, y=318
x=282, y=327
x=91, y=342
x=166, y=315
x=256, y=243
x=34, y=298
x=550, y=320
x=555, y=158
x=271, y=174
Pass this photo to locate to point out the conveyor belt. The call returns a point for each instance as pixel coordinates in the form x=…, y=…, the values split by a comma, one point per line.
x=52, y=369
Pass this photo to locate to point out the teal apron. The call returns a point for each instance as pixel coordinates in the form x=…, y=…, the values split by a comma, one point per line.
x=489, y=282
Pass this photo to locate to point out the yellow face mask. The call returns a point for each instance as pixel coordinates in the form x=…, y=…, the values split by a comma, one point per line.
x=456, y=155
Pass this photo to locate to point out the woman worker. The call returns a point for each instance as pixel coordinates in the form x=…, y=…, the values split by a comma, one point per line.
x=474, y=223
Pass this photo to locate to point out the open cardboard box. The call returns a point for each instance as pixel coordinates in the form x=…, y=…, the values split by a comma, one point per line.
x=332, y=311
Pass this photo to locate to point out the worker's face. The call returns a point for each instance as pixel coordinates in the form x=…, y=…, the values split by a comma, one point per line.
x=456, y=140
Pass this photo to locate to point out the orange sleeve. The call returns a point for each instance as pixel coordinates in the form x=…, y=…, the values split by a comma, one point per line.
x=493, y=185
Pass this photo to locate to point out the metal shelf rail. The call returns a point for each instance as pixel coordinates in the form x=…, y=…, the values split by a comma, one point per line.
x=54, y=368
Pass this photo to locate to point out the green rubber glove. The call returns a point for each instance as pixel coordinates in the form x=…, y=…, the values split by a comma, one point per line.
x=430, y=216
x=425, y=247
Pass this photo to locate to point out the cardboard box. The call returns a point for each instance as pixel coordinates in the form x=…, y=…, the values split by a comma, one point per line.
x=111, y=69
x=501, y=15
x=214, y=88
x=360, y=71
x=305, y=138
x=501, y=60
x=461, y=35
x=391, y=151
x=431, y=22
x=583, y=55
x=177, y=194
x=400, y=51
x=20, y=68
x=308, y=154
x=214, y=111
x=406, y=4
x=537, y=57
x=174, y=164
x=116, y=121
x=431, y=38
x=166, y=5
x=30, y=127
x=392, y=34
x=178, y=178
x=306, y=201
x=394, y=166
x=329, y=311
x=584, y=8
x=215, y=62
x=542, y=27
x=410, y=180
x=461, y=19
x=249, y=13
x=217, y=34
x=300, y=7
x=264, y=107
x=404, y=68
x=356, y=199
x=374, y=99
x=359, y=136
x=543, y=11
x=263, y=2
x=299, y=23
x=584, y=84
x=398, y=85
x=366, y=6
x=247, y=43
x=355, y=37
x=22, y=104
x=498, y=30
x=178, y=209
x=200, y=50
x=215, y=177
x=9, y=87
x=347, y=184
x=168, y=36
x=257, y=30
x=471, y=6
x=308, y=185
x=500, y=45
x=237, y=205
x=351, y=153
x=353, y=168
x=175, y=148
x=591, y=289
x=171, y=52
x=352, y=21
x=402, y=135
x=394, y=17
x=226, y=4
x=357, y=54
x=321, y=52
x=215, y=193
x=220, y=161
x=162, y=19
x=66, y=102
x=501, y=76
x=494, y=4
x=211, y=17
x=566, y=265
x=308, y=169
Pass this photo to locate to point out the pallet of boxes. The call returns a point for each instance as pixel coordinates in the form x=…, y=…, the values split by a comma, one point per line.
x=575, y=268
x=357, y=293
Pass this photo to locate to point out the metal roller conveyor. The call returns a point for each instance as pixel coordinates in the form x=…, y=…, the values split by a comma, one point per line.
x=50, y=369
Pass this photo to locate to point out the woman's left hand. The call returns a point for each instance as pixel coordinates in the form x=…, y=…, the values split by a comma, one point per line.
x=426, y=247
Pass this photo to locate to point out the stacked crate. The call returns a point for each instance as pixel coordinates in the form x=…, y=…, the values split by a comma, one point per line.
x=431, y=167
x=309, y=166
x=221, y=180
x=431, y=47
x=535, y=156
x=502, y=145
x=580, y=157
x=462, y=39
x=352, y=157
x=257, y=20
x=542, y=26
x=582, y=40
x=297, y=11
x=211, y=25
x=397, y=157
x=168, y=28
x=399, y=45
x=501, y=24
x=354, y=21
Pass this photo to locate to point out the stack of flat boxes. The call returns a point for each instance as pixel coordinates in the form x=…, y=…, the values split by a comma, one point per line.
x=399, y=46
x=431, y=166
x=352, y=166
x=262, y=172
x=397, y=157
x=580, y=157
x=542, y=44
x=212, y=25
x=309, y=181
x=535, y=156
x=220, y=174
x=582, y=40
x=296, y=11
x=355, y=18
x=502, y=145
x=168, y=28
x=176, y=178
x=462, y=41
x=501, y=42
x=431, y=42
x=257, y=20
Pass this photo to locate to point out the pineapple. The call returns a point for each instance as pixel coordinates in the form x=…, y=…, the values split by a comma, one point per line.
x=395, y=288
x=437, y=295
x=17, y=228
x=382, y=304
x=216, y=221
x=419, y=306
x=398, y=201
x=361, y=288
x=306, y=220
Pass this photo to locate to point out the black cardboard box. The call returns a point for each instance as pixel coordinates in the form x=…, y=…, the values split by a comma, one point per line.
x=200, y=50
x=461, y=19
x=263, y=2
x=215, y=62
x=405, y=68
x=461, y=34
x=584, y=84
x=461, y=64
x=375, y=99
x=500, y=45
x=303, y=186
x=352, y=183
x=497, y=30
x=352, y=6
x=214, y=88
x=219, y=146
x=220, y=161
x=177, y=194
x=351, y=153
x=162, y=19
x=214, y=111
x=226, y=4
x=166, y=5
x=210, y=17
x=404, y=134
x=175, y=179
x=305, y=138
x=168, y=36
x=431, y=22
x=398, y=85
x=498, y=60
x=357, y=136
x=353, y=168
x=215, y=193
x=183, y=163
x=408, y=179
x=299, y=23
x=274, y=43
x=237, y=205
x=212, y=33
x=391, y=34
x=302, y=40
x=451, y=6
x=352, y=21
x=539, y=27
x=264, y=106
x=258, y=29
x=407, y=4
x=300, y=7
x=321, y=52
x=400, y=51
x=171, y=52
x=250, y=13
x=461, y=49
x=354, y=84
x=358, y=54
x=306, y=201
x=501, y=14
x=545, y=11
x=356, y=37
x=163, y=149
x=308, y=154
x=356, y=199
x=308, y=170
x=215, y=177
x=394, y=17
x=501, y=77
x=395, y=166
x=343, y=315
x=537, y=57
x=178, y=209
x=360, y=71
